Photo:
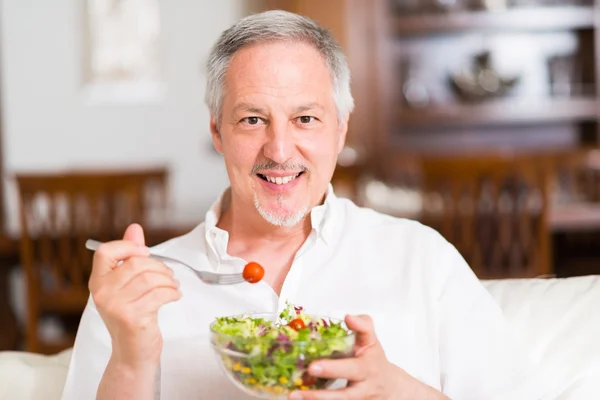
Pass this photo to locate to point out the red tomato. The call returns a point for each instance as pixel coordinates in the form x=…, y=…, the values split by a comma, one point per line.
x=308, y=380
x=253, y=272
x=297, y=324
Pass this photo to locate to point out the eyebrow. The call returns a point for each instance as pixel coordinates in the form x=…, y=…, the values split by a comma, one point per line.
x=247, y=107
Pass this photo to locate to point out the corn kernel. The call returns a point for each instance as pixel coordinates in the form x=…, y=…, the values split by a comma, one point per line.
x=246, y=370
x=283, y=380
x=298, y=382
x=237, y=366
x=250, y=381
x=303, y=387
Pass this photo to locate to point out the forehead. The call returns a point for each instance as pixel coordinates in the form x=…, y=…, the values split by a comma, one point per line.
x=279, y=69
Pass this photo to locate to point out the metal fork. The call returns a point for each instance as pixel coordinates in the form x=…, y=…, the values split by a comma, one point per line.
x=210, y=278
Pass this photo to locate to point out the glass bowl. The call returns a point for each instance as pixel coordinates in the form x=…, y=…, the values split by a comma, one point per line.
x=271, y=368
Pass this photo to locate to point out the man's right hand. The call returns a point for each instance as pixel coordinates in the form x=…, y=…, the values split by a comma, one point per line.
x=128, y=288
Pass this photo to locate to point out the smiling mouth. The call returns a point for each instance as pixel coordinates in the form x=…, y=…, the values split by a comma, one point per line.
x=279, y=180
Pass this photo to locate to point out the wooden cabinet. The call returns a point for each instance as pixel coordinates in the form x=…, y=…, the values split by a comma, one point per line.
x=413, y=69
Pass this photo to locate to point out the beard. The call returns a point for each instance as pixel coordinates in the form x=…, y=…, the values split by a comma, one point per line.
x=282, y=219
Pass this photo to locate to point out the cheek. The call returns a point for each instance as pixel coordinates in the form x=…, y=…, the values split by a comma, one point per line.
x=322, y=154
x=240, y=154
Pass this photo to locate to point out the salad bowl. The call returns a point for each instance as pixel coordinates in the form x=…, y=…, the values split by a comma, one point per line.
x=267, y=355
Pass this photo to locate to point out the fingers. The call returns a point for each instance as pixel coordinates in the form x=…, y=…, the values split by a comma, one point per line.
x=364, y=328
x=131, y=319
x=351, y=369
x=338, y=394
x=108, y=255
x=361, y=370
x=146, y=282
x=158, y=297
x=135, y=266
x=135, y=233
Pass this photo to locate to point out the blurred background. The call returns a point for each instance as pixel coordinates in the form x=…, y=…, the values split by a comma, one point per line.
x=476, y=117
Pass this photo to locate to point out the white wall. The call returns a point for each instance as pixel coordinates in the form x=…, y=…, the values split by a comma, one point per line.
x=48, y=125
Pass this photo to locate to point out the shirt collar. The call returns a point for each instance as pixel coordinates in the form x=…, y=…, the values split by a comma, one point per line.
x=322, y=218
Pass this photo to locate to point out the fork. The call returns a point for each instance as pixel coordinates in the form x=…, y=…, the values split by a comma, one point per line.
x=210, y=278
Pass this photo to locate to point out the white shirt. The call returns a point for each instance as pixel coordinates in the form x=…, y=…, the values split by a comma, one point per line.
x=433, y=317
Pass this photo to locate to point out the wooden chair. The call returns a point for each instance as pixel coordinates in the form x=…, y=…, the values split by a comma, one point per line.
x=575, y=211
x=58, y=213
x=493, y=208
x=576, y=176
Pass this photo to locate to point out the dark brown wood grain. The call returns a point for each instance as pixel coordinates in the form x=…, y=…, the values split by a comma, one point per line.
x=524, y=19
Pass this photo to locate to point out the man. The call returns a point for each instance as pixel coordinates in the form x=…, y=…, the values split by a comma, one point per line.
x=279, y=96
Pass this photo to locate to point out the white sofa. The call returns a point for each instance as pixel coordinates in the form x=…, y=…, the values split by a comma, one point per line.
x=559, y=319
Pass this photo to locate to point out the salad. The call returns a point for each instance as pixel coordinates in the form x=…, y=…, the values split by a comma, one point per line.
x=271, y=355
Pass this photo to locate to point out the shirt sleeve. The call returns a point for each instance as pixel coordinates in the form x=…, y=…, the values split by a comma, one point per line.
x=480, y=358
x=91, y=353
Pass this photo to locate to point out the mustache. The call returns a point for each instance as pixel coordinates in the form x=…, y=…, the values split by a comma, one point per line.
x=272, y=165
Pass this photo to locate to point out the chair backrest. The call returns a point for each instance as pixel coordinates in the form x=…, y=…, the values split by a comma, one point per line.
x=576, y=176
x=493, y=208
x=59, y=212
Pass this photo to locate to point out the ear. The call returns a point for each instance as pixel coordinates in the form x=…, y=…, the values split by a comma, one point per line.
x=342, y=131
x=216, y=135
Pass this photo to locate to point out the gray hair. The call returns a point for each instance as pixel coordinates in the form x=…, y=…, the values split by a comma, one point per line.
x=277, y=25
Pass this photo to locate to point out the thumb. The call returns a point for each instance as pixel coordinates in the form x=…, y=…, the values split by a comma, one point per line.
x=135, y=233
x=363, y=326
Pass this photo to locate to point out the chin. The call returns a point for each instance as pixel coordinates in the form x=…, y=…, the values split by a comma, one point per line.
x=280, y=216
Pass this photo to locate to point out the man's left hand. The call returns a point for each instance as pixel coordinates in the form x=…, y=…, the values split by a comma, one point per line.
x=370, y=375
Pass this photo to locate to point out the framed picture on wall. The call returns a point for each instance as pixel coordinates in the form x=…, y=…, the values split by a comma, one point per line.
x=121, y=56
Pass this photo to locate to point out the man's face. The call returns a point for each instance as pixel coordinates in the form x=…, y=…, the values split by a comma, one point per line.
x=279, y=133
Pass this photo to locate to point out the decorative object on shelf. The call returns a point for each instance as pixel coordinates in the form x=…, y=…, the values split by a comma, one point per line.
x=350, y=165
x=351, y=156
x=414, y=91
x=494, y=5
x=447, y=5
x=564, y=73
x=523, y=3
x=482, y=81
x=420, y=6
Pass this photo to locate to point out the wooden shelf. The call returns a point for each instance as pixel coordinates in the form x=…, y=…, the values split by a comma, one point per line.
x=522, y=19
x=503, y=112
x=578, y=217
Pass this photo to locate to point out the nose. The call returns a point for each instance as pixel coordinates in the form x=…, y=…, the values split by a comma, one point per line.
x=279, y=145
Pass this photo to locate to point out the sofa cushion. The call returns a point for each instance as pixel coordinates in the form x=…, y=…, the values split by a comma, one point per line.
x=33, y=376
x=559, y=320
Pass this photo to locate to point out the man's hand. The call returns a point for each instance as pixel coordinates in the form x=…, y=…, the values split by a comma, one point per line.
x=369, y=373
x=128, y=288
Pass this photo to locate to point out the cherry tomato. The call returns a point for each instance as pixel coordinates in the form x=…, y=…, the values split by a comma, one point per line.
x=297, y=324
x=308, y=380
x=253, y=272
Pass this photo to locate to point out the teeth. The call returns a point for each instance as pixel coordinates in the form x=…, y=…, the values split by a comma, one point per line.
x=281, y=180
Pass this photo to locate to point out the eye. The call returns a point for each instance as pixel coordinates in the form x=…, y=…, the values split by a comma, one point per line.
x=305, y=119
x=251, y=120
